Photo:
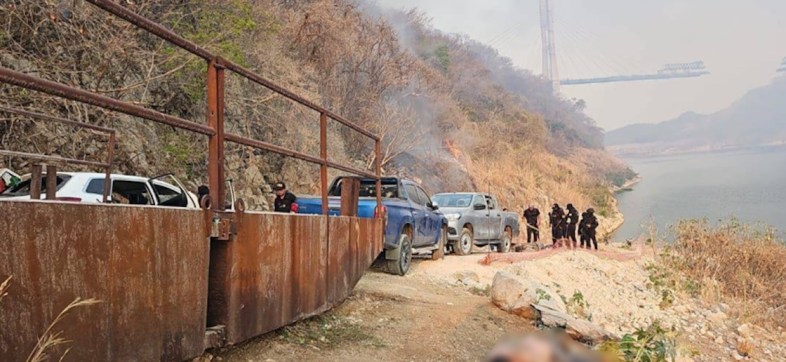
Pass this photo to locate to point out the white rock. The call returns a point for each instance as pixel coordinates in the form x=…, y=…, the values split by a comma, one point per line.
x=717, y=319
x=517, y=296
x=745, y=331
x=467, y=277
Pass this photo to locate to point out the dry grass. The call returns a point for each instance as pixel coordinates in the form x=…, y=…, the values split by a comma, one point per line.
x=51, y=339
x=4, y=288
x=734, y=262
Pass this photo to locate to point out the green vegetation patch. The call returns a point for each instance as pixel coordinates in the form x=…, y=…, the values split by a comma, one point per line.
x=652, y=344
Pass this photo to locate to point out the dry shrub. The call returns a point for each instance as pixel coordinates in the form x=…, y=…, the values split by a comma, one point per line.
x=748, y=265
x=745, y=348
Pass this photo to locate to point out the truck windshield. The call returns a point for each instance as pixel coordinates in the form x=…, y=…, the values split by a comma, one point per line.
x=368, y=188
x=453, y=200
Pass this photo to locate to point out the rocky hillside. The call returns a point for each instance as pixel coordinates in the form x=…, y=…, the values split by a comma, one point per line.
x=758, y=118
x=452, y=112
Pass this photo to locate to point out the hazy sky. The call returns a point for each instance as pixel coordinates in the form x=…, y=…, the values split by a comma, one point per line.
x=742, y=42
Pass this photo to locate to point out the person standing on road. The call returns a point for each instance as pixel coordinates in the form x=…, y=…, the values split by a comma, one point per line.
x=532, y=217
x=556, y=219
x=583, y=231
x=285, y=201
x=592, y=226
x=571, y=220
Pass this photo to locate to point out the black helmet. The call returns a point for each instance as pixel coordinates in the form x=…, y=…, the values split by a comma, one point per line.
x=591, y=211
x=570, y=206
x=555, y=206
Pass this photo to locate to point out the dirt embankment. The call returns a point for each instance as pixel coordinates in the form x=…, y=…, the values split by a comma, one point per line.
x=442, y=311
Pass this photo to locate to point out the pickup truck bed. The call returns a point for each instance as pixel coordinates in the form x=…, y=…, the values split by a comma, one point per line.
x=412, y=224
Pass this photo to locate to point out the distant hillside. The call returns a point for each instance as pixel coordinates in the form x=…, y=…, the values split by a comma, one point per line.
x=758, y=118
x=451, y=112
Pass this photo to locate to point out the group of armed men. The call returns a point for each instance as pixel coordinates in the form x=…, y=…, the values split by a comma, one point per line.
x=564, y=226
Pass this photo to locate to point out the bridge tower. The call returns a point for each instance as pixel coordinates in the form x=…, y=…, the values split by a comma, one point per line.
x=550, y=69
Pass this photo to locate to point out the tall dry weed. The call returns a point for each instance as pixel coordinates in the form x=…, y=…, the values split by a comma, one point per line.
x=51, y=339
x=735, y=261
x=4, y=288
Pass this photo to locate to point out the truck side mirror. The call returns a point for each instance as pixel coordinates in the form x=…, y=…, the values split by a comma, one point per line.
x=480, y=207
x=433, y=206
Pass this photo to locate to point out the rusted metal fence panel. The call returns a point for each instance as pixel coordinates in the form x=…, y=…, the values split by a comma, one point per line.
x=339, y=259
x=277, y=273
x=370, y=237
x=151, y=280
x=281, y=268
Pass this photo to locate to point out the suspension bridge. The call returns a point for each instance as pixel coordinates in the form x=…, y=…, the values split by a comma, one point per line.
x=550, y=61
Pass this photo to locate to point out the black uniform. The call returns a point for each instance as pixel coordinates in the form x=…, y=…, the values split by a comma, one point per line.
x=557, y=220
x=583, y=231
x=284, y=204
x=531, y=216
x=571, y=220
x=592, y=226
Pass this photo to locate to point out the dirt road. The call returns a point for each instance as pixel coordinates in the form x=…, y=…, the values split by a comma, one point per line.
x=389, y=318
x=441, y=311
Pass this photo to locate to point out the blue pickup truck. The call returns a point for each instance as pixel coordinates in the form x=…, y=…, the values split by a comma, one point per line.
x=414, y=224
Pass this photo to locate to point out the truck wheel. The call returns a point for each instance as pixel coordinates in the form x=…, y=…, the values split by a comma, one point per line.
x=504, y=244
x=465, y=242
x=401, y=266
x=439, y=253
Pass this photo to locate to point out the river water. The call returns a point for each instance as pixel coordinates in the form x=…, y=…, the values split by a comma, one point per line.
x=749, y=185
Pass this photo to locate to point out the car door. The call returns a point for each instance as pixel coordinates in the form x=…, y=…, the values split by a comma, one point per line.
x=431, y=222
x=418, y=214
x=131, y=192
x=494, y=219
x=170, y=192
x=481, y=217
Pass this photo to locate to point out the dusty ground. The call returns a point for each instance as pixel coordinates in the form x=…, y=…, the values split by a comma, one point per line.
x=441, y=311
x=392, y=319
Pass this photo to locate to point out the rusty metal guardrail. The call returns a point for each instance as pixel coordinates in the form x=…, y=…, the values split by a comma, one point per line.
x=215, y=85
x=215, y=115
x=36, y=172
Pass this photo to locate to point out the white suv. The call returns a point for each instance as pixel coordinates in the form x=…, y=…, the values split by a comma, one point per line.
x=89, y=188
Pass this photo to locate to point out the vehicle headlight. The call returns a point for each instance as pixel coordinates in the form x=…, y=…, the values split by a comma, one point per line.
x=453, y=217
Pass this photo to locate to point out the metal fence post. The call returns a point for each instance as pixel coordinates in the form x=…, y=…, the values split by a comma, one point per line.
x=51, y=182
x=35, y=182
x=110, y=154
x=323, y=170
x=215, y=118
x=378, y=162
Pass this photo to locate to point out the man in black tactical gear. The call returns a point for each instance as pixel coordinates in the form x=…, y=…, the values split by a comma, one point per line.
x=571, y=220
x=592, y=226
x=557, y=221
x=532, y=217
x=583, y=231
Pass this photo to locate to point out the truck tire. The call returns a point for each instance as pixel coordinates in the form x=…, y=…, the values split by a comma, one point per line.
x=404, y=261
x=439, y=252
x=465, y=242
x=505, y=243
